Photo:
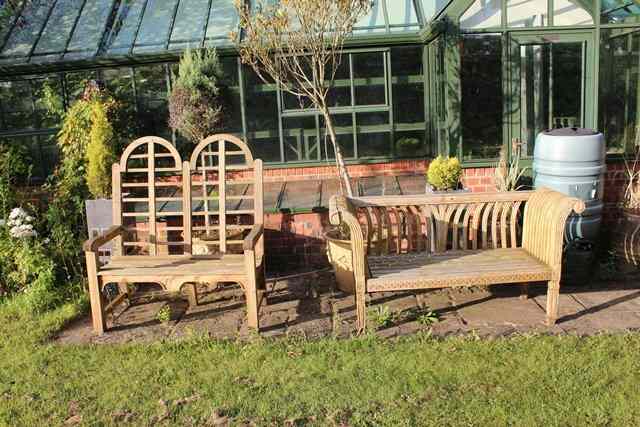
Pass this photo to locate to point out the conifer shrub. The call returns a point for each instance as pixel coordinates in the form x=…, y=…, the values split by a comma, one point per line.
x=196, y=100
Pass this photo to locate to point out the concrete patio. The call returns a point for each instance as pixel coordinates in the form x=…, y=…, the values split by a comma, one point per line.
x=312, y=307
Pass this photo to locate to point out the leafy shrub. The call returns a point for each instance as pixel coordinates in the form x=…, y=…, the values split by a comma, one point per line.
x=26, y=266
x=382, y=317
x=195, y=102
x=427, y=318
x=99, y=153
x=444, y=173
x=86, y=140
x=41, y=254
x=15, y=168
x=164, y=314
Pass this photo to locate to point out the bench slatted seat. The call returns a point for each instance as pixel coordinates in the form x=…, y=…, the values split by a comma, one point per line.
x=400, y=243
x=181, y=223
x=479, y=267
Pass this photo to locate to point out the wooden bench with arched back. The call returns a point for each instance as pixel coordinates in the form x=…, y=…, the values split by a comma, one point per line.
x=181, y=224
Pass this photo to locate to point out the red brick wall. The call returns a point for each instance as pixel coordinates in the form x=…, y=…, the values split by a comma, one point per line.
x=400, y=167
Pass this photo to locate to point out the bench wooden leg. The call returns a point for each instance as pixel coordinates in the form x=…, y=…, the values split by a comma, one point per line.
x=192, y=292
x=361, y=311
x=524, y=291
x=553, y=294
x=98, y=315
x=123, y=289
x=251, y=296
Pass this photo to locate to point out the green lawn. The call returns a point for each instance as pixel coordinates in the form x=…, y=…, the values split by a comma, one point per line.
x=526, y=380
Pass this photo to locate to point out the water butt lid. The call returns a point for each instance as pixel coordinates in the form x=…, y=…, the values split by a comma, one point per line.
x=570, y=132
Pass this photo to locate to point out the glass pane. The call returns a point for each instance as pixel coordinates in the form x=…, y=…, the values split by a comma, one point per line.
x=369, y=78
x=340, y=93
x=119, y=83
x=153, y=111
x=261, y=108
x=572, y=12
x=300, y=139
x=619, y=115
x=295, y=102
x=402, y=15
x=17, y=105
x=59, y=25
x=374, y=22
x=481, y=81
x=432, y=7
x=75, y=83
x=222, y=20
x=619, y=11
x=408, y=85
x=527, y=13
x=343, y=126
x=374, y=134
x=125, y=26
x=188, y=29
x=43, y=119
x=41, y=151
x=155, y=26
x=89, y=29
x=232, y=121
x=6, y=21
x=26, y=33
x=410, y=143
x=482, y=14
x=550, y=89
x=230, y=70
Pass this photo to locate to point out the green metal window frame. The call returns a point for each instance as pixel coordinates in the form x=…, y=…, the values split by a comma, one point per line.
x=240, y=90
x=449, y=138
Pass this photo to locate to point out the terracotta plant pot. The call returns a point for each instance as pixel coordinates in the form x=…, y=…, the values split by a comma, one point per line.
x=341, y=258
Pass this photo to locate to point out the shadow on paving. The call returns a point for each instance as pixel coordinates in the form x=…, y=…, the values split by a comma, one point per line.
x=314, y=308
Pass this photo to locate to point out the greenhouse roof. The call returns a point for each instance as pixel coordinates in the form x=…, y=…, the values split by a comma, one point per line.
x=49, y=32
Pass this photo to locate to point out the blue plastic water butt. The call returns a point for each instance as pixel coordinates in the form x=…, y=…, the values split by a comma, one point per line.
x=572, y=161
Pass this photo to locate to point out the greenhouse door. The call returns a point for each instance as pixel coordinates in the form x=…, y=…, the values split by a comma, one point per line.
x=550, y=85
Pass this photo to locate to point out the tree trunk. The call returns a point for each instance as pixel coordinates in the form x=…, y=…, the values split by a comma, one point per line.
x=345, y=182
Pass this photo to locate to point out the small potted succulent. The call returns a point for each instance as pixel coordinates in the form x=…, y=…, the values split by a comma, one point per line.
x=443, y=175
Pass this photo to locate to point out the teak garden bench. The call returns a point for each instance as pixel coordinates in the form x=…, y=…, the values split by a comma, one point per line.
x=178, y=224
x=400, y=243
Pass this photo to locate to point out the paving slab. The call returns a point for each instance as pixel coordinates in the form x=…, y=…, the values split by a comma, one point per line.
x=315, y=308
x=494, y=311
x=611, y=300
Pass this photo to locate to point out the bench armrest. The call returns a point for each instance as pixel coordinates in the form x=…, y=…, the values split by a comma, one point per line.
x=94, y=243
x=252, y=238
x=341, y=211
x=545, y=218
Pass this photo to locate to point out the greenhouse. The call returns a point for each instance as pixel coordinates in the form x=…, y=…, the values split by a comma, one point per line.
x=418, y=77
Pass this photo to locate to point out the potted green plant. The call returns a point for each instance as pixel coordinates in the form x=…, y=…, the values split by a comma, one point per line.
x=627, y=242
x=508, y=176
x=443, y=175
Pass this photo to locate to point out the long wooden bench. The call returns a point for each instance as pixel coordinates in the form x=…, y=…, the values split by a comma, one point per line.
x=400, y=243
x=182, y=223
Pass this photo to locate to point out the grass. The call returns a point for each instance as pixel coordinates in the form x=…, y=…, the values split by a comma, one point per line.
x=523, y=380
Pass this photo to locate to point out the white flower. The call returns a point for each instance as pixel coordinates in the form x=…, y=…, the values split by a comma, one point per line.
x=20, y=224
x=17, y=212
x=47, y=241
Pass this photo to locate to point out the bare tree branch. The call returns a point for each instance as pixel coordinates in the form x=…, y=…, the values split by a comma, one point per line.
x=295, y=43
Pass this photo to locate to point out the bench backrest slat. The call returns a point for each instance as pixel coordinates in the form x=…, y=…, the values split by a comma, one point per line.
x=440, y=222
x=203, y=206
